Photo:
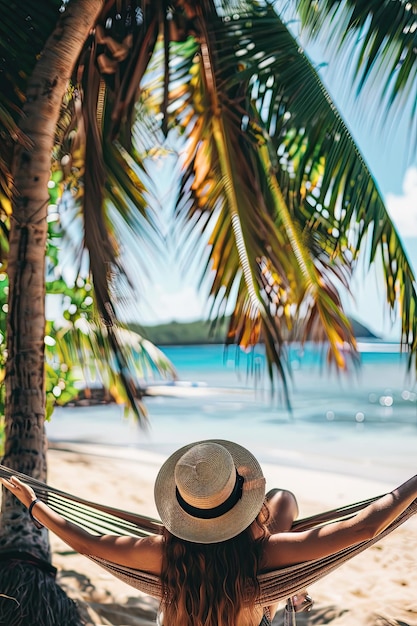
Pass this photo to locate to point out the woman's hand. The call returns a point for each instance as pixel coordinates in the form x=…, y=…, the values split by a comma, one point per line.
x=23, y=492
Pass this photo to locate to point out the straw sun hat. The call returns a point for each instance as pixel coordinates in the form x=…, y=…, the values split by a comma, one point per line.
x=209, y=491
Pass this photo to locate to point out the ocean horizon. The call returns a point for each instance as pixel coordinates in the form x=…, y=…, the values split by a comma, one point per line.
x=363, y=423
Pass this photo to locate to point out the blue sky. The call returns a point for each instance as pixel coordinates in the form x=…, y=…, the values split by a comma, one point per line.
x=387, y=143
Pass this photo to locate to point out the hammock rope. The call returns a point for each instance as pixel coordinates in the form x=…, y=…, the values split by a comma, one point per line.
x=276, y=585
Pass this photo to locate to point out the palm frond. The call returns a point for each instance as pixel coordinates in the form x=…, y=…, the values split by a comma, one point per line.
x=106, y=176
x=226, y=176
x=324, y=178
x=384, y=33
x=123, y=375
x=111, y=169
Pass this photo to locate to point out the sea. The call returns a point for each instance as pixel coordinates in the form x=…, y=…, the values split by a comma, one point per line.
x=360, y=423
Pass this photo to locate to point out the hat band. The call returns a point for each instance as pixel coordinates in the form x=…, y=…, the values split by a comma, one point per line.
x=216, y=511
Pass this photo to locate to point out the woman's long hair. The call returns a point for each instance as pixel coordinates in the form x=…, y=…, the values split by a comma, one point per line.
x=209, y=584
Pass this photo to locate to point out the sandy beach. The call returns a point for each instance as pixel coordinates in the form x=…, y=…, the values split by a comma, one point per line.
x=376, y=588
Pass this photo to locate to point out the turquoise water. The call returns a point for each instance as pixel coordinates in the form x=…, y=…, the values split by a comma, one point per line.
x=362, y=424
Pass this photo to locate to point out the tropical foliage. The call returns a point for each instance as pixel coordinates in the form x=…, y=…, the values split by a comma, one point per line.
x=108, y=363
x=270, y=174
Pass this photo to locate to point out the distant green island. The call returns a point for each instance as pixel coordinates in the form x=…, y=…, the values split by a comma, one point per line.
x=203, y=332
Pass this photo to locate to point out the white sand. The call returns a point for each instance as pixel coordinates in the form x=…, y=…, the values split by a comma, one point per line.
x=377, y=588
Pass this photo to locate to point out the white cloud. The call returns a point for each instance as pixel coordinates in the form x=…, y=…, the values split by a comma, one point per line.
x=183, y=304
x=166, y=301
x=403, y=209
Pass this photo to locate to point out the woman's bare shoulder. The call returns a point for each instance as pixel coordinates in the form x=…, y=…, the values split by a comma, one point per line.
x=279, y=550
x=142, y=553
x=148, y=552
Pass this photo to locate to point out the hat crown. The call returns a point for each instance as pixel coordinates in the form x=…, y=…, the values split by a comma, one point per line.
x=205, y=475
x=209, y=491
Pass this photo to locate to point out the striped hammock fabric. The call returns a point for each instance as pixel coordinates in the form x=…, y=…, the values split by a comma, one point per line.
x=276, y=585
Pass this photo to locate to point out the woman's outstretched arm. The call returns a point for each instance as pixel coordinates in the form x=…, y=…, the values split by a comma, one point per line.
x=140, y=553
x=288, y=548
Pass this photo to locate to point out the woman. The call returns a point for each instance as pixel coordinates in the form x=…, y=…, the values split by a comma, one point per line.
x=220, y=531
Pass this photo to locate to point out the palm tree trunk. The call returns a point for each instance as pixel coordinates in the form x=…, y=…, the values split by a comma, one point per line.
x=25, y=445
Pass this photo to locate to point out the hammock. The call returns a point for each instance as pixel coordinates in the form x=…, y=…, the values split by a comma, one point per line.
x=276, y=585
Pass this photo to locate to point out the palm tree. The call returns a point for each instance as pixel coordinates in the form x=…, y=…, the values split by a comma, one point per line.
x=270, y=177
x=25, y=393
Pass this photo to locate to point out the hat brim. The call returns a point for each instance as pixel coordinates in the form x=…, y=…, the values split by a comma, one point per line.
x=221, y=528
